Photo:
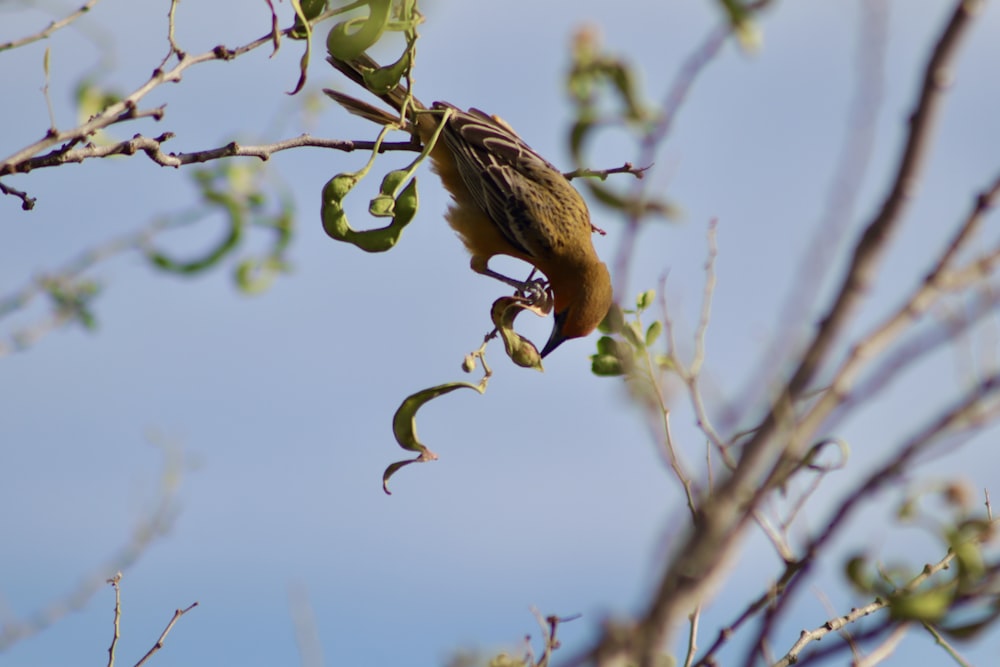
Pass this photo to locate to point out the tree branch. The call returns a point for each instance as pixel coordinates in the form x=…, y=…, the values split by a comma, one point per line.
x=152, y=147
x=52, y=27
x=700, y=556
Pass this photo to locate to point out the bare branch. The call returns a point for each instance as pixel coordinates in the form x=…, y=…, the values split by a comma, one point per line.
x=152, y=147
x=115, y=581
x=128, y=108
x=602, y=174
x=27, y=203
x=163, y=636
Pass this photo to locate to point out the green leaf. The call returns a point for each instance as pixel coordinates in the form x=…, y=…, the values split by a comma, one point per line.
x=856, y=571
x=384, y=79
x=645, y=300
x=310, y=9
x=382, y=206
x=633, y=335
x=255, y=276
x=926, y=606
x=404, y=425
x=337, y=227
x=653, y=332
x=606, y=365
x=406, y=204
x=613, y=321
x=301, y=20
x=349, y=39
x=168, y=264
x=970, y=561
x=577, y=136
x=392, y=181
x=520, y=350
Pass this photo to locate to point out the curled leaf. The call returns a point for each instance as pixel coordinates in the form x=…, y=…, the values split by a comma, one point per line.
x=337, y=227
x=310, y=9
x=349, y=39
x=406, y=204
x=404, y=425
x=384, y=79
x=237, y=222
x=255, y=276
x=384, y=204
x=520, y=350
x=926, y=606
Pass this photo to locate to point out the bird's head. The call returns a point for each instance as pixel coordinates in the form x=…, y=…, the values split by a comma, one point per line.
x=581, y=302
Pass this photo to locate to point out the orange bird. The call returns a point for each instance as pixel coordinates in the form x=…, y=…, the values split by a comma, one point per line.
x=507, y=200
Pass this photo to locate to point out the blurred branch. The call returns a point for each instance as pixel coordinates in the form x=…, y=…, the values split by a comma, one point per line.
x=51, y=28
x=965, y=415
x=66, y=281
x=151, y=526
x=654, y=137
x=848, y=177
x=942, y=279
x=700, y=555
x=307, y=638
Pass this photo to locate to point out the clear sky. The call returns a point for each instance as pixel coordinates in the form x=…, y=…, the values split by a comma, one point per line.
x=549, y=491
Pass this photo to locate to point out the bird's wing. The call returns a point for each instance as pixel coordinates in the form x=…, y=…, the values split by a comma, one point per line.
x=506, y=178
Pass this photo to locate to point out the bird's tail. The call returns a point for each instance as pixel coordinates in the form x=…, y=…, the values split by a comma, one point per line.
x=397, y=97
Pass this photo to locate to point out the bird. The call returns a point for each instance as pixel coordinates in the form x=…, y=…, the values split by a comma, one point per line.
x=506, y=200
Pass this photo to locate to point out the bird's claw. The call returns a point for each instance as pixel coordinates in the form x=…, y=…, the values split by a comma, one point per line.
x=535, y=291
x=536, y=294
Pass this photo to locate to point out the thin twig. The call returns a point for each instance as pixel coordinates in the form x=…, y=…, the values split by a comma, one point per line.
x=603, y=174
x=692, y=648
x=115, y=581
x=27, y=203
x=51, y=28
x=128, y=108
x=147, y=530
x=943, y=643
x=163, y=636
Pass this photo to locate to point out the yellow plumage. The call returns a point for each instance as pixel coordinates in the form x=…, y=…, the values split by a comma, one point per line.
x=507, y=200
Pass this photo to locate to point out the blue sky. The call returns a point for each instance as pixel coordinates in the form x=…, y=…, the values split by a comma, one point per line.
x=549, y=491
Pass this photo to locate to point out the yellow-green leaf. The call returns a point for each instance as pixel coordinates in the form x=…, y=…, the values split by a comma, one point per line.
x=349, y=39
x=404, y=425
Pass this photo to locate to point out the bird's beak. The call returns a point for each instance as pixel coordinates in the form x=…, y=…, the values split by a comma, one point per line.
x=557, y=338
